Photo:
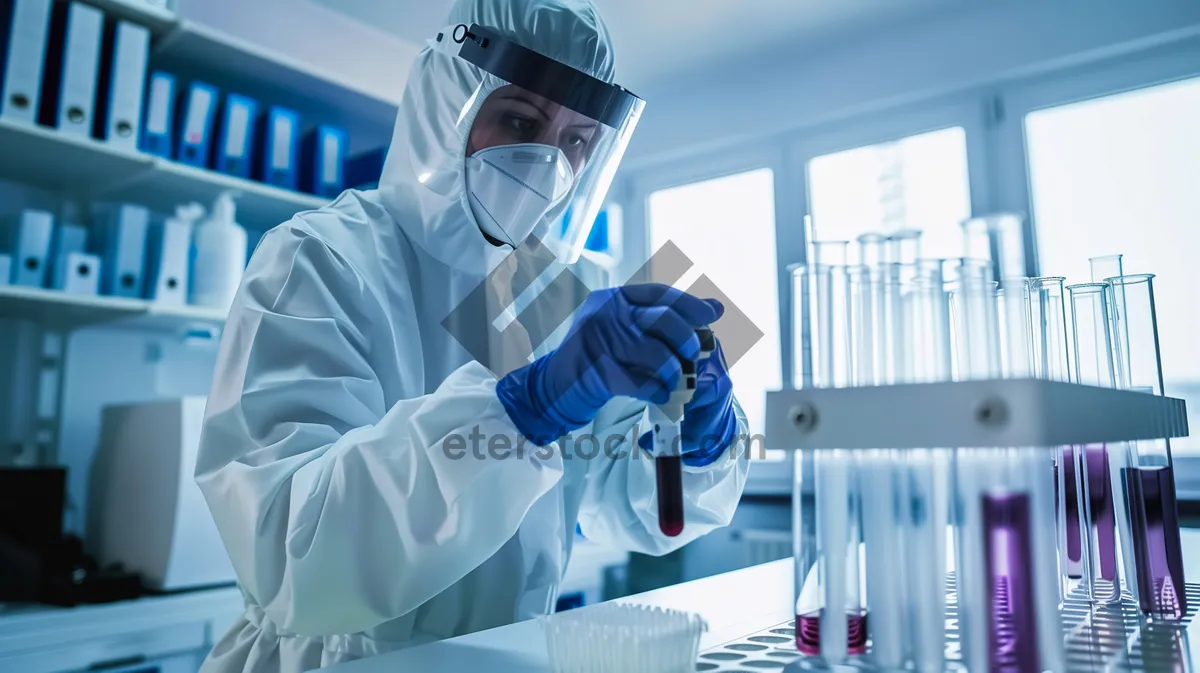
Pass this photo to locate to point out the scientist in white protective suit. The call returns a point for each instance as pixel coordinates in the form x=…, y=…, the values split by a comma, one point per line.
x=336, y=448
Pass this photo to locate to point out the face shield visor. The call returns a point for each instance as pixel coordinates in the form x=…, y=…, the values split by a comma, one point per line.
x=543, y=143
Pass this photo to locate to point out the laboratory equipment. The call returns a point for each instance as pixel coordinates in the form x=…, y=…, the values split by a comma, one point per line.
x=1109, y=568
x=909, y=354
x=219, y=256
x=623, y=637
x=1149, y=474
x=149, y=514
x=666, y=420
x=831, y=613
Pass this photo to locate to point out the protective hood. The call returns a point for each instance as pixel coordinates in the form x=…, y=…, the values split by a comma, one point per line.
x=423, y=185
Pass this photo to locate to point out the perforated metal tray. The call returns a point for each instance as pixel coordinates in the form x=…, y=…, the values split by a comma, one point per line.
x=1104, y=640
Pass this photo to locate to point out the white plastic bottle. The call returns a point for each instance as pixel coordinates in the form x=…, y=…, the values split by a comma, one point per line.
x=218, y=256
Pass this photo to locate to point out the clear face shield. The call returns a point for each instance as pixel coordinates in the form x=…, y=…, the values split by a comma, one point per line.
x=544, y=141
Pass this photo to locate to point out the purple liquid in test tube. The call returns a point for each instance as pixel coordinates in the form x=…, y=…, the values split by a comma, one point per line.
x=1100, y=501
x=1012, y=621
x=1074, y=558
x=1158, y=557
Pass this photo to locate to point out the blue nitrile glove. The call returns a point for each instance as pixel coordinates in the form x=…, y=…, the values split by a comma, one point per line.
x=625, y=341
x=709, y=420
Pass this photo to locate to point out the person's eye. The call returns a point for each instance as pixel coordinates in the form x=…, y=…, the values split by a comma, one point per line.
x=522, y=126
x=577, y=140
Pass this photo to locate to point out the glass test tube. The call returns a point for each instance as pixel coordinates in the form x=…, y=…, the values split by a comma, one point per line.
x=801, y=354
x=925, y=521
x=971, y=299
x=1149, y=477
x=1109, y=565
x=880, y=474
x=828, y=550
x=1024, y=504
x=1050, y=361
x=1106, y=266
x=1000, y=238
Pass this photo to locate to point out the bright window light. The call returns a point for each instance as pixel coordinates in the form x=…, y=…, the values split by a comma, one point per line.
x=726, y=227
x=918, y=182
x=1119, y=175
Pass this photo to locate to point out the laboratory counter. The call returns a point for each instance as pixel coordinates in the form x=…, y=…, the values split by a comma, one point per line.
x=734, y=604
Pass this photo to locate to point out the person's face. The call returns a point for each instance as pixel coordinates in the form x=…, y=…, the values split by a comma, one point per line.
x=512, y=115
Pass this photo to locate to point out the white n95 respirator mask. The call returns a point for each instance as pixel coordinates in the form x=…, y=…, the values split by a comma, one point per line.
x=510, y=188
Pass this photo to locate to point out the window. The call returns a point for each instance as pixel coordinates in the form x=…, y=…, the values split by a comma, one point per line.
x=918, y=182
x=726, y=227
x=1118, y=174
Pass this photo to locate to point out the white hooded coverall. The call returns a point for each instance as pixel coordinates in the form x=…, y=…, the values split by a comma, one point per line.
x=351, y=530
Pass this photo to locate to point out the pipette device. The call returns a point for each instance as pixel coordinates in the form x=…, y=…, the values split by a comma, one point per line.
x=667, y=420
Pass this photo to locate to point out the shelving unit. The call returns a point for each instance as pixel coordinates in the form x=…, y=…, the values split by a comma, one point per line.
x=85, y=167
x=158, y=19
x=66, y=312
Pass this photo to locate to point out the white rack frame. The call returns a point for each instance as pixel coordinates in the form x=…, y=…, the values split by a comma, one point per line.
x=992, y=413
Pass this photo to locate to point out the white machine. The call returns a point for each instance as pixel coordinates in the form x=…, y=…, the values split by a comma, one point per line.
x=152, y=517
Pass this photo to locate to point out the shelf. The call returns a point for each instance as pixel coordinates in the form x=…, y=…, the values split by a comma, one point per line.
x=158, y=19
x=259, y=206
x=65, y=311
x=48, y=159
x=996, y=413
x=197, y=50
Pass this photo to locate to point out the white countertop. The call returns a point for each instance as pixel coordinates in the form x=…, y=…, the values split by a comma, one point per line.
x=734, y=604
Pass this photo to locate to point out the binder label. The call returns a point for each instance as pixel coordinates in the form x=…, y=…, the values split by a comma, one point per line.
x=235, y=136
x=331, y=168
x=197, y=115
x=160, y=102
x=281, y=159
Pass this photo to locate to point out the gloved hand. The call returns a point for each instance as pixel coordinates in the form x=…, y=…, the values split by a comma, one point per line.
x=709, y=420
x=625, y=341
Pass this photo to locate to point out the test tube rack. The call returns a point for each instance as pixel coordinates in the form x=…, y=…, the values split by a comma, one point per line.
x=986, y=414
x=968, y=414
x=1098, y=641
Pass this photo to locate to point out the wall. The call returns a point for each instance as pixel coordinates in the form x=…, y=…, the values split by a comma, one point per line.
x=765, y=95
x=316, y=36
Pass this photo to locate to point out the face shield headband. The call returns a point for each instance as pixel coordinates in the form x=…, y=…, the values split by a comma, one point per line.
x=572, y=123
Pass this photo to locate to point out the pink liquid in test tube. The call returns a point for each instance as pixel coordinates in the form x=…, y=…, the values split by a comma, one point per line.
x=808, y=633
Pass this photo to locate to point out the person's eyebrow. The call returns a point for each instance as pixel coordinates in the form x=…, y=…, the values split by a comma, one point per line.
x=518, y=97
